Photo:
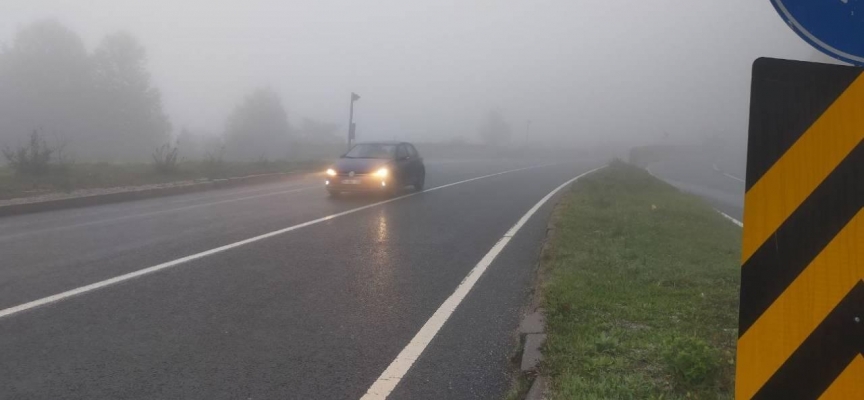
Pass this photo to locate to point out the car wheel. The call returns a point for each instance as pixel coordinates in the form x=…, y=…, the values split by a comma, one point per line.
x=420, y=182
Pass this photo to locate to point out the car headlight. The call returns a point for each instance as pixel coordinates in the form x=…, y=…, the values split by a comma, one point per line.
x=382, y=173
x=331, y=172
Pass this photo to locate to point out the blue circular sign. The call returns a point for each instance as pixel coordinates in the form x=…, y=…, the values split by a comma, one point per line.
x=835, y=27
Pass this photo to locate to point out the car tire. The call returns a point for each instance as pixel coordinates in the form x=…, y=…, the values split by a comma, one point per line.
x=420, y=182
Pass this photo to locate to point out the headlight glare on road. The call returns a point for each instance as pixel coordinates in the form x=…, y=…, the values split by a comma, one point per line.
x=331, y=172
x=382, y=173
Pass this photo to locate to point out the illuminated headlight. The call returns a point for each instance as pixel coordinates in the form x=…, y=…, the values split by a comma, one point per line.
x=382, y=173
x=331, y=172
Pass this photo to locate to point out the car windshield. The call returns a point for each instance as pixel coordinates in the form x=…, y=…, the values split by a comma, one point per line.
x=372, y=150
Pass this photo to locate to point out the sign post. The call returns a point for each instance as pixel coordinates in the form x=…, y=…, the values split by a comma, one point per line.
x=801, y=321
x=351, y=126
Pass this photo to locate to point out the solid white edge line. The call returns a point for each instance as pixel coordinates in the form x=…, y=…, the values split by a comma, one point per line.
x=729, y=217
x=733, y=177
x=387, y=381
x=131, y=275
x=714, y=166
x=648, y=170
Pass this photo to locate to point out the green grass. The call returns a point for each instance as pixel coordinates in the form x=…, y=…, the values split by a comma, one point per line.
x=519, y=387
x=105, y=175
x=641, y=291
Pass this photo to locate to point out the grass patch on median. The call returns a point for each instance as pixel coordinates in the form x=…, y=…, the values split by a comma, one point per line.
x=640, y=285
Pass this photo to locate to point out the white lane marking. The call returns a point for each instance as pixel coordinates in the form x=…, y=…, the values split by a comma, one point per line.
x=384, y=385
x=648, y=170
x=729, y=217
x=733, y=177
x=131, y=275
x=151, y=213
x=249, y=191
x=714, y=166
x=161, y=202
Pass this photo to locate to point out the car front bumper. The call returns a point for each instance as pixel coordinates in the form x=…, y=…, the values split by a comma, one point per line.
x=364, y=183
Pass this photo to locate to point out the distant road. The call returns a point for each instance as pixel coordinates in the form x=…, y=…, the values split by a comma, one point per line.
x=317, y=310
x=707, y=178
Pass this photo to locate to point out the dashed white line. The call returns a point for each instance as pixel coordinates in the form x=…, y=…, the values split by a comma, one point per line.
x=135, y=274
x=384, y=385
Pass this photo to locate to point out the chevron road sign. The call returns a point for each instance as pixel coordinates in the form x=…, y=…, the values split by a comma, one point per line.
x=801, y=323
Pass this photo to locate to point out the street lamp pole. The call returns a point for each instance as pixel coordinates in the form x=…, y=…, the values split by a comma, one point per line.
x=351, y=127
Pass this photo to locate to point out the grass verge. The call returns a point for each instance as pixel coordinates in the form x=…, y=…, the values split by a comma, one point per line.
x=105, y=175
x=640, y=285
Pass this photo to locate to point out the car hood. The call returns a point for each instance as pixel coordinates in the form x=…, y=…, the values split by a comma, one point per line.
x=359, y=165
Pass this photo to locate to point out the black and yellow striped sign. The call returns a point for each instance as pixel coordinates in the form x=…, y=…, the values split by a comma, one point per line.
x=801, y=324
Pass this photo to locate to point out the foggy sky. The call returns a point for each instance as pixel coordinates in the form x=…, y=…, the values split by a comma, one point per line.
x=585, y=71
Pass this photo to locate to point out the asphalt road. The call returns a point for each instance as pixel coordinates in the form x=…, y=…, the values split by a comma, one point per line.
x=708, y=177
x=316, y=312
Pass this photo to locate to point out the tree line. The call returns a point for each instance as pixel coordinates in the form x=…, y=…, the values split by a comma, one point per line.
x=101, y=105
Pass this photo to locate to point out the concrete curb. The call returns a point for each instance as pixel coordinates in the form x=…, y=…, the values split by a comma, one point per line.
x=538, y=389
x=86, y=201
x=532, y=333
x=532, y=327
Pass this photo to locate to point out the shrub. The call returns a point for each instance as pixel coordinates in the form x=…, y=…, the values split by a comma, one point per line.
x=691, y=361
x=165, y=158
x=33, y=158
x=606, y=344
x=263, y=162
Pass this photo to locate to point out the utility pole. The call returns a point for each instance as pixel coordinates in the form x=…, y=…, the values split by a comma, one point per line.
x=351, y=127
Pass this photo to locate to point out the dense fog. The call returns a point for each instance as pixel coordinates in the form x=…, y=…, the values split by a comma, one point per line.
x=112, y=80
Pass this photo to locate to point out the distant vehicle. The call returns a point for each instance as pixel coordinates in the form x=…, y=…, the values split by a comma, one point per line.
x=377, y=167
